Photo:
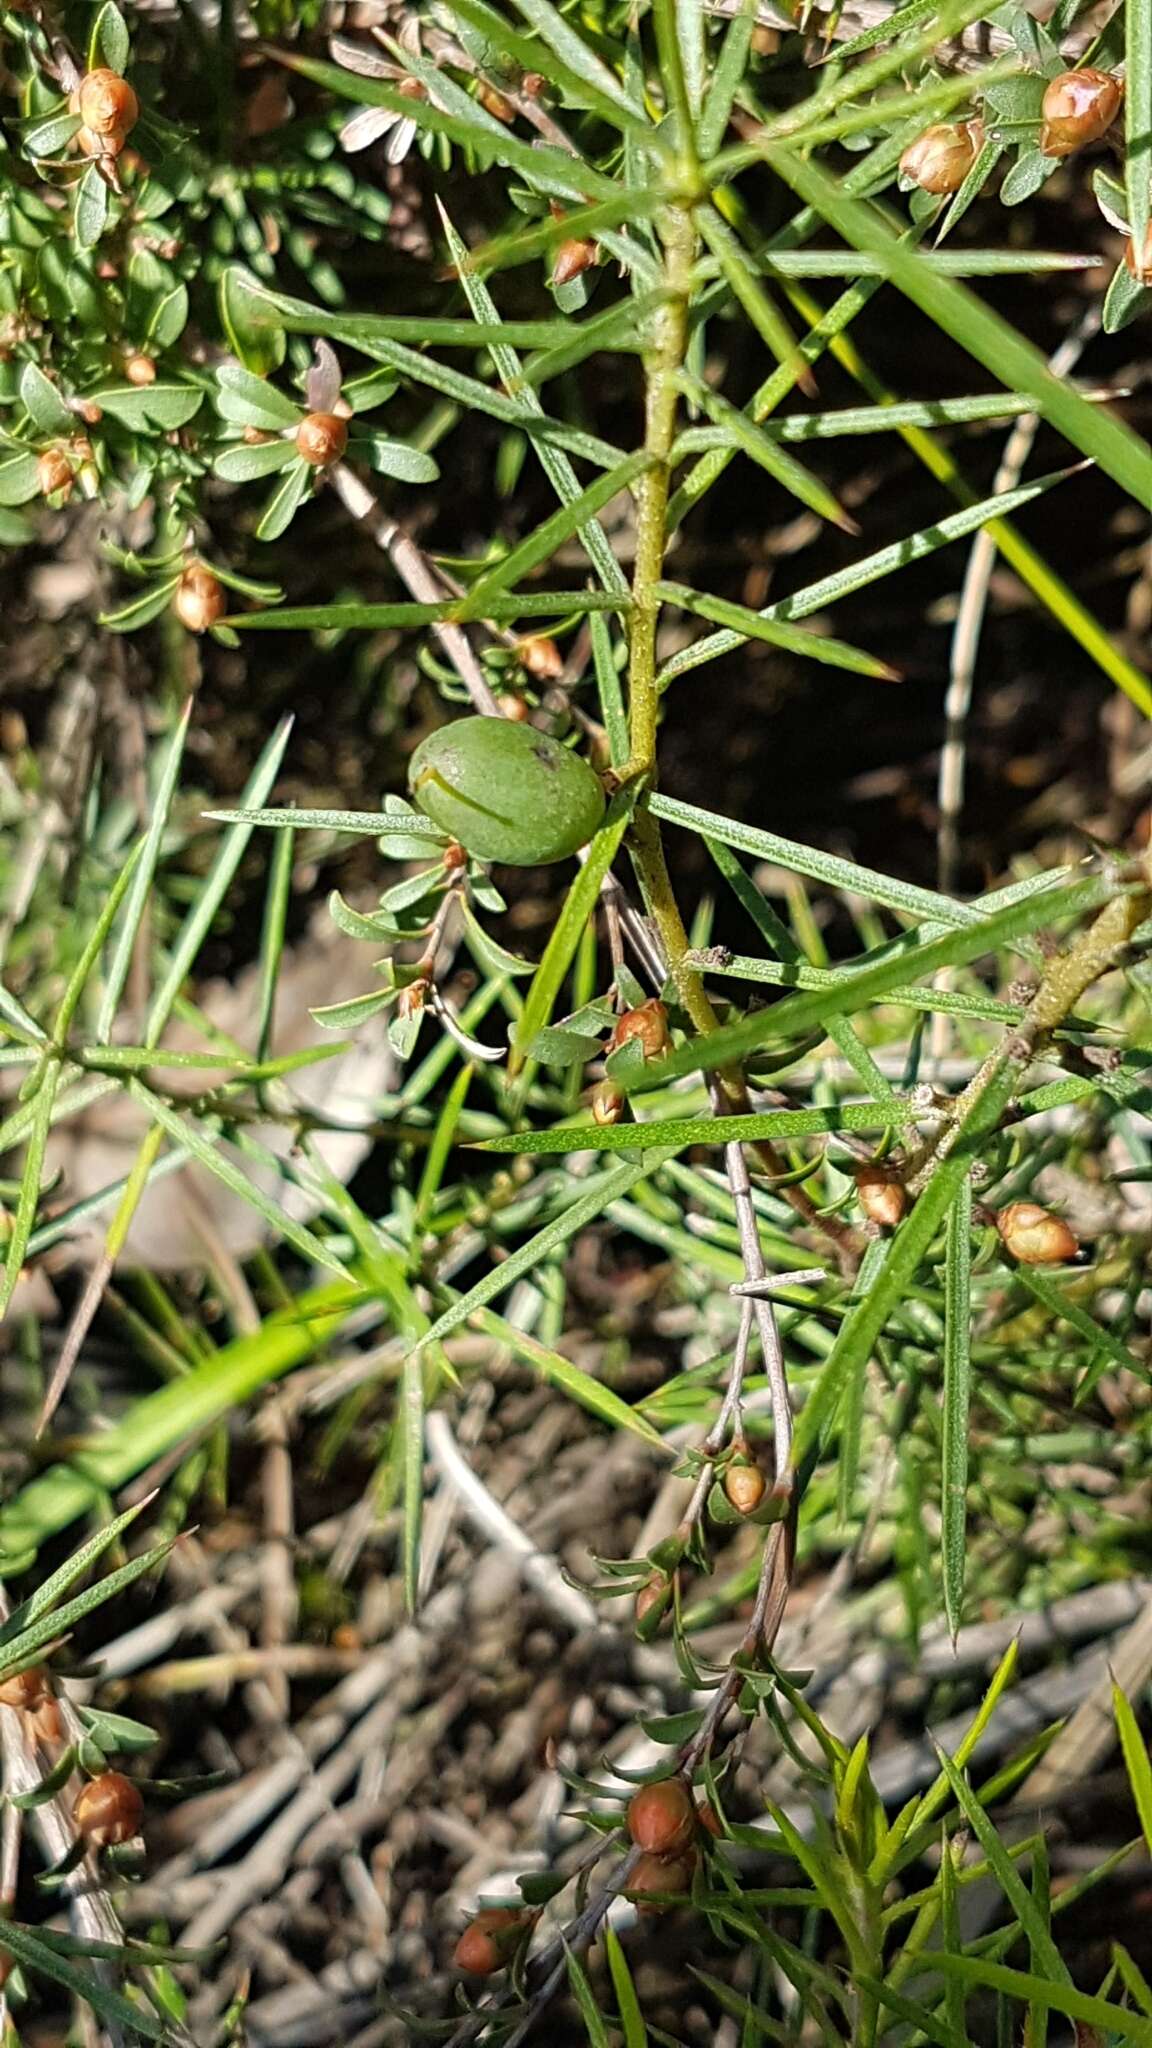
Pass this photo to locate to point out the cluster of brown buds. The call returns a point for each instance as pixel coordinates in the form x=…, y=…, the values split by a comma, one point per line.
x=664, y=1823
x=60, y=467
x=1078, y=107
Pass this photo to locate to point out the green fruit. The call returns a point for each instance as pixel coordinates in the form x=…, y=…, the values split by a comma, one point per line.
x=507, y=792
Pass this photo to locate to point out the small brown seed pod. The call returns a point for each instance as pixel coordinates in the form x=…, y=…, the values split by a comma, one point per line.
x=653, y=1593
x=1078, y=107
x=882, y=1194
x=661, y=1874
x=661, y=1817
x=541, y=657
x=26, y=1689
x=940, y=159
x=495, y=103
x=108, y=1810
x=199, y=598
x=490, y=1939
x=107, y=104
x=85, y=409
x=321, y=438
x=54, y=472
x=607, y=1103
x=649, y=1023
x=1034, y=1236
x=140, y=369
x=513, y=707
x=745, y=1487
x=573, y=258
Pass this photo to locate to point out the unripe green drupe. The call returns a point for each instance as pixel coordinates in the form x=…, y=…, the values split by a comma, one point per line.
x=507, y=792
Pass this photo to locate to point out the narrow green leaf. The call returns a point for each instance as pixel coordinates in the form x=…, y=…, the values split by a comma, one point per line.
x=364, y=824
x=43, y=403
x=750, y=625
x=1024, y=1906
x=605, y=1189
x=137, y=897
x=590, y=1393
x=91, y=209
x=1135, y=1751
x=285, y=502
x=198, y=922
x=627, y=2004
x=410, y=1421
x=782, y=1126
x=1056, y=1994
x=1060, y=1304
x=251, y=401
x=743, y=282
x=44, y=1599
x=41, y=1958
x=46, y=1628
x=573, y=69
x=595, y=2028
x=957, y=1396
x=727, y=74
x=1138, y=119
x=566, y=932
x=552, y=534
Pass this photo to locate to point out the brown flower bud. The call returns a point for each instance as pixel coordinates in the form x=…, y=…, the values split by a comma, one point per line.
x=661, y=1817
x=940, y=159
x=321, y=438
x=883, y=1196
x=607, y=1103
x=541, y=657
x=513, y=707
x=495, y=103
x=107, y=104
x=455, y=856
x=108, y=1810
x=1141, y=268
x=140, y=369
x=199, y=599
x=490, y=1939
x=54, y=472
x=92, y=144
x=649, y=1023
x=573, y=258
x=661, y=1874
x=86, y=410
x=1078, y=107
x=412, y=89
x=1035, y=1236
x=744, y=1486
x=25, y=1689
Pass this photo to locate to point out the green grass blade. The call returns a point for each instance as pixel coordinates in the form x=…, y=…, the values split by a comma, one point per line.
x=142, y=881
x=199, y=920
x=1136, y=1762
x=957, y=1396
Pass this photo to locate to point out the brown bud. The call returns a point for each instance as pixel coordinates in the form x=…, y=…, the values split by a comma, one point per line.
x=513, y=707
x=108, y=1810
x=199, y=598
x=140, y=369
x=607, y=1103
x=455, y=856
x=661, y=1817
x=649, y=1023
x=532, y=84
x=883, y=1196
x=744, y=1486
x=107, y=104
x=91, y=144
x=54, y=471
x=541, y=657
x=321, y=438
x=490, y=1939
x=86, y=410
x=1035, y=1236
x=661, y=1874
x=412, y=89
x=495, y=103
x=1078, y=107
x=1141, y=268
x=48, y=1721
x=25, y=1689
x=940, y=159
x=573, y=258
